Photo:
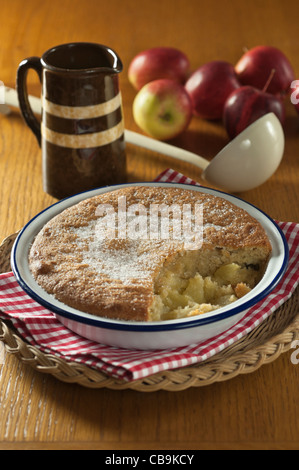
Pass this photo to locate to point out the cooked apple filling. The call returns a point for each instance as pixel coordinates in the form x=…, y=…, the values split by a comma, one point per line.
x=180, y=293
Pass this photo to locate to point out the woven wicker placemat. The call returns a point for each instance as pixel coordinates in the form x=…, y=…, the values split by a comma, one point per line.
x=263, y=345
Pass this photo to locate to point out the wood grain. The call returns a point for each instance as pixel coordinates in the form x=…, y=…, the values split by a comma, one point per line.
x=253, y=411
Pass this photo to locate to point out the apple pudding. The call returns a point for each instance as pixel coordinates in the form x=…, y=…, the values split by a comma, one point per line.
x=147, y=253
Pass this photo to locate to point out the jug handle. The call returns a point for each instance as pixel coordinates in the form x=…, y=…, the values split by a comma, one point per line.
x=21, y=85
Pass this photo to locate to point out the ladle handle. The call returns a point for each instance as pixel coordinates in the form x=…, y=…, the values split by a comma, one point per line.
x=11, y=99
x=166, y=149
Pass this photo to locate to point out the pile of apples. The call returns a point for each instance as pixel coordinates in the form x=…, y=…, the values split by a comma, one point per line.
x=169, y=94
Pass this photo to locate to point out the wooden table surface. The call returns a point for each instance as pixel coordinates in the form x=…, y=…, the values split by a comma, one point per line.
x=253, y=411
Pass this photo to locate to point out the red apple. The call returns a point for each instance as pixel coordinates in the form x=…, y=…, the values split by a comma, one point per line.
x=162, y=109
x=256, y=65
x=246, y=105
x=209, y=86
x=295, y=94
x=158, y=62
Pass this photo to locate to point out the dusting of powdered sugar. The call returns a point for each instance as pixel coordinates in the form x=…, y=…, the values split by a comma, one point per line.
x=122, y=259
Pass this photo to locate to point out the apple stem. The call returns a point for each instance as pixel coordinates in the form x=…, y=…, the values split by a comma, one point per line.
x=269, y=80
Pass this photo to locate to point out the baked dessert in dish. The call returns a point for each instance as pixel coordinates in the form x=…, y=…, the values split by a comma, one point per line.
x=146, y=253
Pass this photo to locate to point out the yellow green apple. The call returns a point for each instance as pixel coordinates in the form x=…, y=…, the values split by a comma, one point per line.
x=162, y=109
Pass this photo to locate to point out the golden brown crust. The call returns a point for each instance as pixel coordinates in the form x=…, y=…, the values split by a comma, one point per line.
x=114, y=278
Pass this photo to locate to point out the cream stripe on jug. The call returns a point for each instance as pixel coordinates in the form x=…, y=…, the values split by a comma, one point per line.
x=82, y=112
x=83, y=141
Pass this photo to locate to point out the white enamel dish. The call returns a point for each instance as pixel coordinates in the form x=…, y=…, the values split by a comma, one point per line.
x=153, y=335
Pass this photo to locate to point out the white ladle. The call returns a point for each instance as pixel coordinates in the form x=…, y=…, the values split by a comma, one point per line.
x=246, y=162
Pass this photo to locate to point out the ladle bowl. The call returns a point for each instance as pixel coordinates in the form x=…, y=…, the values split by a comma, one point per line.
x=245, y=163
x=251, y=158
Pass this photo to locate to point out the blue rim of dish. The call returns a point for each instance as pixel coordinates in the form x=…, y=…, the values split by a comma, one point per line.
x=180, y=324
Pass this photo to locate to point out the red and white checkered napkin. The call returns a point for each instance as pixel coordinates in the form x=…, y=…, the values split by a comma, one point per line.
x=39, y=327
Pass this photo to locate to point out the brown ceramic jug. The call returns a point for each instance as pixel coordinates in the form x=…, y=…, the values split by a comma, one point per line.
x=81, y=132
